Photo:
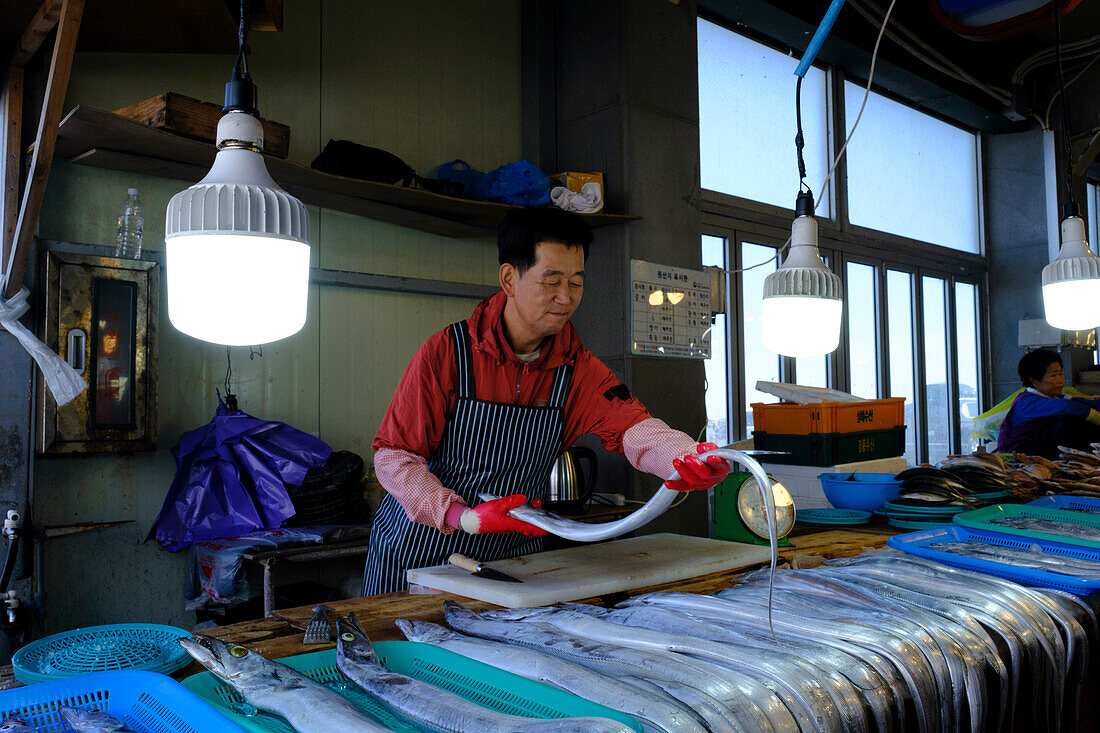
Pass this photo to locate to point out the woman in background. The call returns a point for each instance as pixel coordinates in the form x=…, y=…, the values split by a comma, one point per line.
x=1041, y=417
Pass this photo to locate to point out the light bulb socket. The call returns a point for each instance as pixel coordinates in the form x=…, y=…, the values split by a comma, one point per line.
x=804, y=204
x=240, y=93
x=1069, y=208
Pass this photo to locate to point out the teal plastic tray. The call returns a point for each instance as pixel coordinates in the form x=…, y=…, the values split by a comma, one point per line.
x=481, y=683
x=983, y=519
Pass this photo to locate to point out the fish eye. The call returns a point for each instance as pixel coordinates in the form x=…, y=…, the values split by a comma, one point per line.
x=237, y=650
x=347, y=636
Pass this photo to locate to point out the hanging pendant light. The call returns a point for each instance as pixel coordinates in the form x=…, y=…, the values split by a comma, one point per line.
x=802, y=304
x=237, y=245
x=1071, y=283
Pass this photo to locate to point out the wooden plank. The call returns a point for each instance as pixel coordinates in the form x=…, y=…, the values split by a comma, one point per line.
x=85, y=128
x=58, y=81
x=39, y=27
x=11, y=115
x=116, y=161
x=198, y=120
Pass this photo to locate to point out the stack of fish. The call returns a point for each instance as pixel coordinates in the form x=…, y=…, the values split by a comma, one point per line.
x=880, y=642
x=1075, y=472
x=311, y=707
x=930, y=496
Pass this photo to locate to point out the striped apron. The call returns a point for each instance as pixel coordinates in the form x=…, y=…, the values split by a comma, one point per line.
x=488, y=447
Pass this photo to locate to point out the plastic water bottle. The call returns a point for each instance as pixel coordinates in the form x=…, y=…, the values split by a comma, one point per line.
x=131, y=221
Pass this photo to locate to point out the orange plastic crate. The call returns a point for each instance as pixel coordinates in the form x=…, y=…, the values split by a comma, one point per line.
x=789, y=418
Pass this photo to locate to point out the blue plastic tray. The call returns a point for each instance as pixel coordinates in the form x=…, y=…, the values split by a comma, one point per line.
x=484, y=684
x=148, y=647
x=983, y=519
x=916, y=543
x=1065, y=501
x=146, y=701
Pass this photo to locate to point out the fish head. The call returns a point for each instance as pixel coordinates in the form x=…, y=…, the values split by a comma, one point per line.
x=423, y=631
x=456, y=612
x=352, y=644
x=233, y=663
x=16, y=725
x=90, y=720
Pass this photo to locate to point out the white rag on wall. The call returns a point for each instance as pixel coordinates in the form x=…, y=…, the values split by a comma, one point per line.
x=589, y=200
x=64, y=381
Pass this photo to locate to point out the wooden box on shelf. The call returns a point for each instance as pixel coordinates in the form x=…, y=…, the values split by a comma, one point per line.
x=198, y=120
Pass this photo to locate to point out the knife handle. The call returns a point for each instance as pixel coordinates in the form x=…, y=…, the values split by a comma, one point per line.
x=464, y=562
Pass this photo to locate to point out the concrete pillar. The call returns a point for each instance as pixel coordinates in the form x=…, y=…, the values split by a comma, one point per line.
x=623, y=99
x=1016, y=225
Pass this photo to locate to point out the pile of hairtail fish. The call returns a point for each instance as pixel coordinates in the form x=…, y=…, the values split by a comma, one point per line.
x=879, y=642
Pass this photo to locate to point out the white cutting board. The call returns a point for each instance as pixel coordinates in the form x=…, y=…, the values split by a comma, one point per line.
x=591, y=570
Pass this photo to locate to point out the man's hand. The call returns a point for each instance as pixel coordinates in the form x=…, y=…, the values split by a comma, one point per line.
x=491, y=517
x=696, y=474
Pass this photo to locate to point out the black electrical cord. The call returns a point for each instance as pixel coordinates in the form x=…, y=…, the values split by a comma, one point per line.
x=230, y=398
x=9, y=561
x=1069, y=208
x=799, y=140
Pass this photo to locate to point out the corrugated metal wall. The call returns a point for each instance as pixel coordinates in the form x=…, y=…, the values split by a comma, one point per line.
x=429, y=81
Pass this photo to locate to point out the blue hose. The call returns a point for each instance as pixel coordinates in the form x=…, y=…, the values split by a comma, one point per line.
x=819, y=38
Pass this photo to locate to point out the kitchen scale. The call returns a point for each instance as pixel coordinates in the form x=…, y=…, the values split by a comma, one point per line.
x=739, y=513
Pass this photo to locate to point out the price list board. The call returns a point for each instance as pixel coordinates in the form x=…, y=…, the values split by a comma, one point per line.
x=670, y=311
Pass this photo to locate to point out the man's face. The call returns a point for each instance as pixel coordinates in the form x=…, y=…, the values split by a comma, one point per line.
x=545, y=296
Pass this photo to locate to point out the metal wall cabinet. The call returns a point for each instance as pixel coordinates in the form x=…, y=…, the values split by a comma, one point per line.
x=101, y=316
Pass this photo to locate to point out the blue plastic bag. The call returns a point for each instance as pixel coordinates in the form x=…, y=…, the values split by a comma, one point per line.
x=520, y=183
x=461, y=172
x=231, y=478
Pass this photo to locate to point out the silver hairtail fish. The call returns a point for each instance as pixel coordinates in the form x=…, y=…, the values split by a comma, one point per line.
x=436, y=709
x=308, y=706
x=16, y=725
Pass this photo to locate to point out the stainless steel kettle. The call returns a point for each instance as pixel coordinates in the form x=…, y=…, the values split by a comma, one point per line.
x=570, y=487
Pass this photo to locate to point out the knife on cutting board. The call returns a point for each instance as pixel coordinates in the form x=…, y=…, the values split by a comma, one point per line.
x=479, y=569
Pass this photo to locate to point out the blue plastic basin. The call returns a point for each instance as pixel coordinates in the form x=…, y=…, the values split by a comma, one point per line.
x=865, y=491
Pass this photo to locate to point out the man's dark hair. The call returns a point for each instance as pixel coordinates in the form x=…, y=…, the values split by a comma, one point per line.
x=1034, y=365
x=524, y=229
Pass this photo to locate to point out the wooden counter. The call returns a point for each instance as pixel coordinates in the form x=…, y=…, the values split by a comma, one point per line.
x=281, y=634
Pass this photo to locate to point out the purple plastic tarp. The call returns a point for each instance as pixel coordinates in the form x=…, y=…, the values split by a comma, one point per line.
x=231, y=478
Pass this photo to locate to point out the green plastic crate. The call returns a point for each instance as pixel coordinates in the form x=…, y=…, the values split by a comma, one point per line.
x=481, y=683
x=829, y=449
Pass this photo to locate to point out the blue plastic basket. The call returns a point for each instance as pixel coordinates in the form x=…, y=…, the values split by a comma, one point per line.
x=1065, y=501
x=983, y=519
x=148, y=647
x=146, y=701
x=484, y=684
x=917, y=543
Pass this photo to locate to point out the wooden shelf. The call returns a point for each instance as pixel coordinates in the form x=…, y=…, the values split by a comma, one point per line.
x=92, y=137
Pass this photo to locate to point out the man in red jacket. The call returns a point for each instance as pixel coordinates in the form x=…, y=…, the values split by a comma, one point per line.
x=488, y=404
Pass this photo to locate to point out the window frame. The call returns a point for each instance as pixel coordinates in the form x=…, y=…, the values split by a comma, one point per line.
x=736, y=220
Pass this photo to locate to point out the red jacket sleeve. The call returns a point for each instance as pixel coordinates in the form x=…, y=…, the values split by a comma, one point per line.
x=600, y=404
x=417, y=414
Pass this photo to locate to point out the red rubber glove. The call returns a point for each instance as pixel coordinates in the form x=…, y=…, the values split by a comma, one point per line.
x=491, y=517
x=696, y=474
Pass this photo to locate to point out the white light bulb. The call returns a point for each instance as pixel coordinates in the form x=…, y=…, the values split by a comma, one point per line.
x=802, y=306
x=801, y=326
x=1071, y=283
x=235, y=289
x=237, y=247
